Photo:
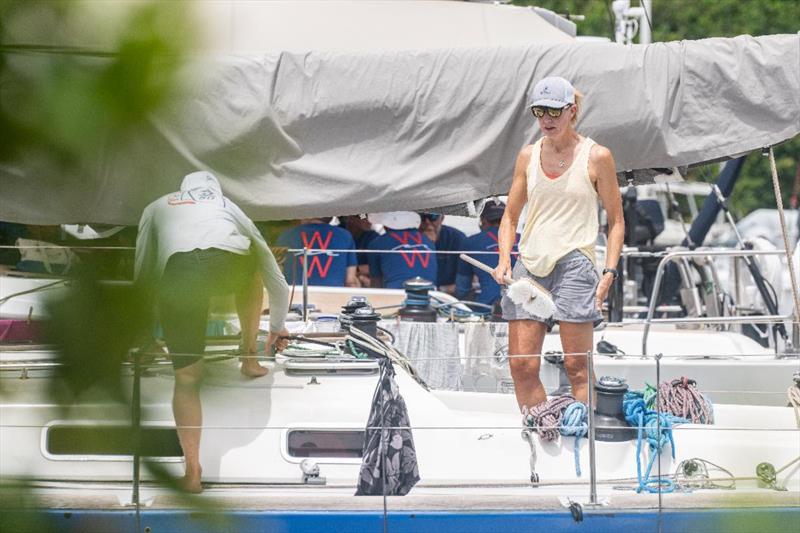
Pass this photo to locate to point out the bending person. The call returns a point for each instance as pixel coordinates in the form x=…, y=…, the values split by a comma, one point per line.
x=560, y=179
x=195, y=244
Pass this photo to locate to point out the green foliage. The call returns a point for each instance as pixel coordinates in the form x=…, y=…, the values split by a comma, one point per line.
x=754, y=188
x=59, y=101
x=699, y=19
x=599, y=19
x=20, y=509
x=687, y=19
x=93, y=326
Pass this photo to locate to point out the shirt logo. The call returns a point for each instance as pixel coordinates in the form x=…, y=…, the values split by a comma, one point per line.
x=495, y=246
x=411, y=258
x=193, y=196
x=315, y=263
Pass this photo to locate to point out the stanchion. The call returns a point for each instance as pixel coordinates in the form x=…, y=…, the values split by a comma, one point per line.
x=305, y=284
x=658, y=432
x=136, y=433
x=590, y=405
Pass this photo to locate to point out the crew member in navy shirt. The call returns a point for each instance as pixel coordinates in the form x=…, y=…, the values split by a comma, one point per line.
x=447, y=239
x=362, y=232
x=402, y=235
x=485, y=241
x=332, y=269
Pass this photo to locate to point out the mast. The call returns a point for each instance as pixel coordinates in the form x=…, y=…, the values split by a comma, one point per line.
x=633, y=20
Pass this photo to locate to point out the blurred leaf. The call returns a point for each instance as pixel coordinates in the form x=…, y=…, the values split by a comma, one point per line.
x=213, y=515
x=63, y=103
x=93, y=326
x=20, y=509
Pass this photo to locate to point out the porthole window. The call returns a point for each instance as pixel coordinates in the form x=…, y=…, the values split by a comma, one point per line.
x=105, y=440
x=320, y=443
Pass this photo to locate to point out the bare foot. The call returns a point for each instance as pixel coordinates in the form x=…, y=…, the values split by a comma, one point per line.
x=252, y=368
x=191, y=482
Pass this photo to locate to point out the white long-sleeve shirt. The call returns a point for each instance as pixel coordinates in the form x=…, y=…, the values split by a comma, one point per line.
x=200, y=217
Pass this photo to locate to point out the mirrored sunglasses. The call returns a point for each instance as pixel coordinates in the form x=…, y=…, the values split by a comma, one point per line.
x=555, y=112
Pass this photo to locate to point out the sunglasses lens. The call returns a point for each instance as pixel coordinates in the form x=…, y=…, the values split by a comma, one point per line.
x=554, y=112
x=538, y=112
x=433, y=217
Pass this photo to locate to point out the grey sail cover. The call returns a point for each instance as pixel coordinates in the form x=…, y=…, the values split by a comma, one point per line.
x=297, y=134
x=389, y=460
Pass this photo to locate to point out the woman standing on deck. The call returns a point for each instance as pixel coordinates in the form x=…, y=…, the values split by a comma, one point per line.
x=559, y=179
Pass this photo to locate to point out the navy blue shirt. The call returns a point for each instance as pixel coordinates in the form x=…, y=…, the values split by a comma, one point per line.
x=324, y=268
x=362, y=243
x=450, y=239
x=395, y=268
x=485, y=241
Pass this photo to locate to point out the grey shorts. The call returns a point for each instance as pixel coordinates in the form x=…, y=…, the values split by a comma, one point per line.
x=572, y=283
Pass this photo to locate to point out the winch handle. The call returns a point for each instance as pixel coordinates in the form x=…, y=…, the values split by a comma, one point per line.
x=486, y=268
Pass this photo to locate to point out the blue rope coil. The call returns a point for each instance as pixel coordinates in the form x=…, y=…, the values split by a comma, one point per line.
x=657, y=430
x=574, y=423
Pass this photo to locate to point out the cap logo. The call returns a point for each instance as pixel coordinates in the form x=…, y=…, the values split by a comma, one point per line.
x=546, y=90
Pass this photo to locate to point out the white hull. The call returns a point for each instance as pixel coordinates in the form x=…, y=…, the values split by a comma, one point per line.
x=461, y=438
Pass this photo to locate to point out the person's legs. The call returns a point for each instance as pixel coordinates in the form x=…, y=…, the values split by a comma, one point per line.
x=577, y=337
x=183, y=305
x=249, y=300
x=188, y=412
x=525, y=337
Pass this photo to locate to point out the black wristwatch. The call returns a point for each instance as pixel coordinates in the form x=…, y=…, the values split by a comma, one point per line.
x=613, y=271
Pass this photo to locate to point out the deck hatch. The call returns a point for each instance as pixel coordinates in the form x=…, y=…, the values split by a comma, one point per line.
x=83, y=440
x=319, y=443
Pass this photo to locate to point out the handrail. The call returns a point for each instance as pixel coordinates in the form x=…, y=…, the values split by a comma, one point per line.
x=671, y=256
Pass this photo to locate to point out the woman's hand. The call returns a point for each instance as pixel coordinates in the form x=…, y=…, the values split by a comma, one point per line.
x=502, y=271
x=602, y=289
x=274, y=339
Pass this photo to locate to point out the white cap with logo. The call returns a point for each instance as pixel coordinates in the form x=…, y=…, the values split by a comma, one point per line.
x=553, y=92
x=396, y=219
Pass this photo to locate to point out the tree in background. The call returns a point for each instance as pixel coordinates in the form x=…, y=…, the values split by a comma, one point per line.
x=699, y=19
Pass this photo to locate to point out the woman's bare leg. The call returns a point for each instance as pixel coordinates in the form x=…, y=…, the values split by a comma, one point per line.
x=525, y=337
x=577, y=337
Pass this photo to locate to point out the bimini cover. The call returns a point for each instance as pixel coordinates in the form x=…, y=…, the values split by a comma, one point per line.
x=296, y=134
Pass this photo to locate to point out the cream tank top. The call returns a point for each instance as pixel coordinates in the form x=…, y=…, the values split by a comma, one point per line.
x=562, y=213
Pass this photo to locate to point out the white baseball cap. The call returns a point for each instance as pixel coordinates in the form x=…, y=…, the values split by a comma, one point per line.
x=396, y=219
x=553, y=92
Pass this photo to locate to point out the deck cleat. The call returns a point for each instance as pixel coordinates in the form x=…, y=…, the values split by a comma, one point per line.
x=767, y=477
x=310, y=471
